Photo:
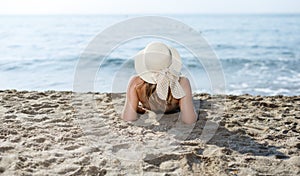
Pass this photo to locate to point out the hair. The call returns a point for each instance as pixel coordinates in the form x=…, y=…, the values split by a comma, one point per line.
x=150, y=90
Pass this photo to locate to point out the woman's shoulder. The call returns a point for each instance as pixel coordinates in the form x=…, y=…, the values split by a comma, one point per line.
x=183, y=80
x=135, y=81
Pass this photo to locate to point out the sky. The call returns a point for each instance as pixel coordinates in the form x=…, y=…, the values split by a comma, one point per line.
x=148, y=6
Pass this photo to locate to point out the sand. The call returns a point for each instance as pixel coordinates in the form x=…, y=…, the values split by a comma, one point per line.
x=65, y=133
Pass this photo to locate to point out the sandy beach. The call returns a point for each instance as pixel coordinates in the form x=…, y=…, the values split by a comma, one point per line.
x=66, y=133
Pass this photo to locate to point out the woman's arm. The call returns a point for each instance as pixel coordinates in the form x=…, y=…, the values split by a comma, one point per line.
x=129, y=112
x=187, y=111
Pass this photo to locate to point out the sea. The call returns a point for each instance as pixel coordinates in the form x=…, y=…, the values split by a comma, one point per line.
x=259, y=54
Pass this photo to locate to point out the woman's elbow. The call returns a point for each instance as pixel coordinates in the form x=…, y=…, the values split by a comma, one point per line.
x=128, y=117
x=189, y=120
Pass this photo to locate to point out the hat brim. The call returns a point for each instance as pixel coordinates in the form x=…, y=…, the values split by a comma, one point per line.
x=140, y=68
x=145, y=74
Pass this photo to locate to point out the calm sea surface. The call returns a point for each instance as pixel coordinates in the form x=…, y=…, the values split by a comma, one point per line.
x=260, y=54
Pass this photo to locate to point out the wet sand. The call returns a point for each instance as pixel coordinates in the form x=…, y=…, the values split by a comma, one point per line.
x=66, y=133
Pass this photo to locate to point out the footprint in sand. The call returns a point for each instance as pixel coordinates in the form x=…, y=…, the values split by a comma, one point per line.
x=72, y=147
x=116, y=148
x=6, y=148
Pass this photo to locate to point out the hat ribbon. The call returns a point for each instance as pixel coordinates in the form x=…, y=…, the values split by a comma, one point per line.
x=168, y=78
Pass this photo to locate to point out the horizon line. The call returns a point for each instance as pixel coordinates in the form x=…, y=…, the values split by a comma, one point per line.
x=153, y=14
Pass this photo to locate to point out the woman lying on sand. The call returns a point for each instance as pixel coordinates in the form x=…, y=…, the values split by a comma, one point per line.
x=158, y=85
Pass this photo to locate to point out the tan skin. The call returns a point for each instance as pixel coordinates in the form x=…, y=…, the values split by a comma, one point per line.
x=135, y=95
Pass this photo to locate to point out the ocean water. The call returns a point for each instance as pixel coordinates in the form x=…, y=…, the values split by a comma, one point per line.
x=259, y=54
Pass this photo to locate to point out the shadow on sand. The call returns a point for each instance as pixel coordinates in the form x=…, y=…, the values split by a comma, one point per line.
x=237, y=140
x=221, y=136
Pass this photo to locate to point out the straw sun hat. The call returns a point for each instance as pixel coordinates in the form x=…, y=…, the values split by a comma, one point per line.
x=160, y=64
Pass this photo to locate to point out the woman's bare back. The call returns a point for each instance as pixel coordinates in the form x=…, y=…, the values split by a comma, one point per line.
x=154, y=103
x=136, y=93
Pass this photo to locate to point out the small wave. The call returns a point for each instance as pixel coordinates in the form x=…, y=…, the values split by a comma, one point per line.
x=11, y=68
x=112, y=62
x=269, y=91
x=289, y=53
x=255, y=46
x=225, y=46
x=14, y=46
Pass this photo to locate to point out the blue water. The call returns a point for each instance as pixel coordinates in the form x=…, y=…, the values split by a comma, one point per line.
x=260, y=54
